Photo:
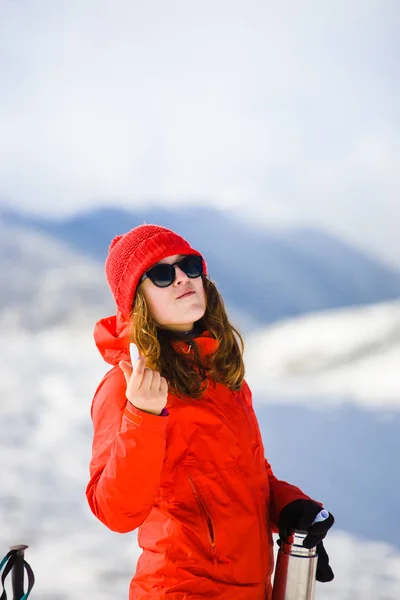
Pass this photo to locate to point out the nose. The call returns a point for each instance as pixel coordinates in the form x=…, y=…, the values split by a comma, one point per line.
x=180, y=276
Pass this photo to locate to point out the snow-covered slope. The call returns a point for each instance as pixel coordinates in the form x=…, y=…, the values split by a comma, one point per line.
x=96, y=565
x=344, y=355
x=47, y=379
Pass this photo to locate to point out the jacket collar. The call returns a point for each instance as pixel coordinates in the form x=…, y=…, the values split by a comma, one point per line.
x=111, y=336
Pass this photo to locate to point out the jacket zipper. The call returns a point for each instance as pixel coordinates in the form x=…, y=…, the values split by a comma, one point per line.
x=263, y=538
x=207, y=519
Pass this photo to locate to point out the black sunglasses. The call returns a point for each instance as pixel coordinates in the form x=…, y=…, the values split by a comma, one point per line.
x=163, y=275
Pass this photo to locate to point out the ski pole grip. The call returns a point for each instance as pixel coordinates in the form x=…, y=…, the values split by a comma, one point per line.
x=17, y=573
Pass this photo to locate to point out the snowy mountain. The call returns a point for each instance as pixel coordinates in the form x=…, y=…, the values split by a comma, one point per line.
x=322, y=428
x=264, y=274
x=343, y=355
x=44, y=282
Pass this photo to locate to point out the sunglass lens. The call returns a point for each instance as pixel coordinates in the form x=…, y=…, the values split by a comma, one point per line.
x=162, y=275
x=192, y=265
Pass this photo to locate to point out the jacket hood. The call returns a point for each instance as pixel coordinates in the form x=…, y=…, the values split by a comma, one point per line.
x=111, y=336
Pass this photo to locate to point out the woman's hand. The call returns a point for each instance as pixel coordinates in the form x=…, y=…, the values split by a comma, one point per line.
x=299, y=515
x=145, y=388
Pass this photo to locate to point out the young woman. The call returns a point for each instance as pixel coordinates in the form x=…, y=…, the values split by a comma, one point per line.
x=177, y=451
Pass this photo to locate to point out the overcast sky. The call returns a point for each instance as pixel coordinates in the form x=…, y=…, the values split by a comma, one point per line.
x=288, y=111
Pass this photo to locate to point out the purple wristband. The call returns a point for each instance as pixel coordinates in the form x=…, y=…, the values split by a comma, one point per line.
x=164, y=412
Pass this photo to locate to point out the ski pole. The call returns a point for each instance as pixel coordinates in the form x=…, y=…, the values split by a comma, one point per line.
x=17, y=572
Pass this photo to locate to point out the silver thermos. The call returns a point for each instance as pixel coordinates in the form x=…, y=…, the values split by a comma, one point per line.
x=296, y=567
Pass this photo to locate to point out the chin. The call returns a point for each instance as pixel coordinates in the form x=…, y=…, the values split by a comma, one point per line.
x=196, y=313
x=190, y=317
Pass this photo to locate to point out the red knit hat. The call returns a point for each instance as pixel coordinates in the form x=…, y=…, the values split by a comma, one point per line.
x=132, y=254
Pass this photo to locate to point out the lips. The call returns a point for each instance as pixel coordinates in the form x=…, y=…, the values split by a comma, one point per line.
x=186, y=294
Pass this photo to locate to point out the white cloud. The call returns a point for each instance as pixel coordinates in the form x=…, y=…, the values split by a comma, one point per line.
x=288, y=110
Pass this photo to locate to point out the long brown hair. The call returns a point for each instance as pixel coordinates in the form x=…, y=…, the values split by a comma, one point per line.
x=185, y=373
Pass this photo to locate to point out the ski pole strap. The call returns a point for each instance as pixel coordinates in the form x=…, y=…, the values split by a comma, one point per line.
x=9, y=562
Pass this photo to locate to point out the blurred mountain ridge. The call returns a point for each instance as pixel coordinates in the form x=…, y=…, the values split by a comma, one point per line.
x=45, y=282
x=263, y=275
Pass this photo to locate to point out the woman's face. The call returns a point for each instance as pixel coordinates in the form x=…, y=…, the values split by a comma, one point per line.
x=179, y=305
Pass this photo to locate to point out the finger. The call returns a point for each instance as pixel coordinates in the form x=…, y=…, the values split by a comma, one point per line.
x=322, y=526
x=155, y=384
x=147, y=379
x=164, y=385
x=318, y=531
x=137, y=373
x=313, y=540
x=126, y=369
x=140, y=363
x=306, y=522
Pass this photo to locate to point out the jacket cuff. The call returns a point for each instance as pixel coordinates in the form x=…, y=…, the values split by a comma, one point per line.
x=141, y=417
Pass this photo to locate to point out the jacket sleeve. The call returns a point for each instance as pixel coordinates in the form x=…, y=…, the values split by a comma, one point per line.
x=281, y=492
x=127, y=457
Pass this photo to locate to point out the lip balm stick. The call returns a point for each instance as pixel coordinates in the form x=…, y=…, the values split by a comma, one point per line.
x=321, y=516
x=134, y=353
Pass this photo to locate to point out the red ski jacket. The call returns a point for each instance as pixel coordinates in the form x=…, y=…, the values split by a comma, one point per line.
x=195, y=483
